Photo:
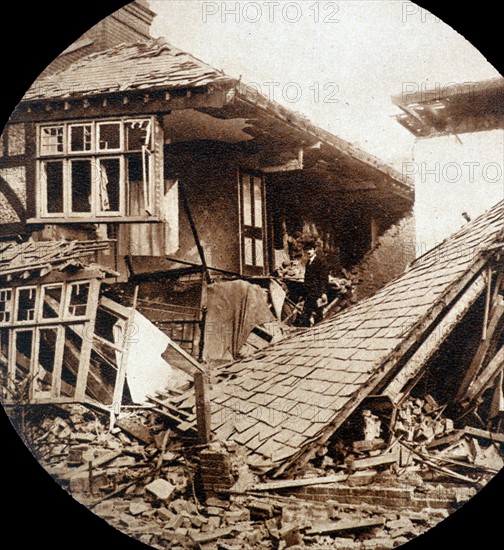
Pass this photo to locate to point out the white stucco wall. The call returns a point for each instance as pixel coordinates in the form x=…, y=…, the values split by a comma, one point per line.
x=454, y=174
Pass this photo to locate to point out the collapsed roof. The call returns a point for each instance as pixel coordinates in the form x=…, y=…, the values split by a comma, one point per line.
x=288, y=400
x=38, y=258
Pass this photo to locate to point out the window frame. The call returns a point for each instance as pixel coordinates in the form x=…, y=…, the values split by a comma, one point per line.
x=66, y=156
x=254, y=232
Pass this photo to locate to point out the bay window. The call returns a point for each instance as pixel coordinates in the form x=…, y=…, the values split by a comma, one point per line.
x=96, y=170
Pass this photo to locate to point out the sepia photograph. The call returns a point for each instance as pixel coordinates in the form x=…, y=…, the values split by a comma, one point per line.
x=252, y=275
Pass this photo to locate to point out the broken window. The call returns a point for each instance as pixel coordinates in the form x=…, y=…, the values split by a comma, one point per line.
x=138, y=135
x=5, y=305
x=80, y=137
x=52, y=140
x=109, y=136
x=4, y=354
x=81, y=186
x=97, y=185
x=109, y=185
x=52, y=301
x=53, y=187
x=45, y=361
x=71, y=360
x=252, y=222
x=26, y=300
x=20, y=365
x=79, y=294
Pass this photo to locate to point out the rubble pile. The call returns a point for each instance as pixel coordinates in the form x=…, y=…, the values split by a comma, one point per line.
x=169, y=493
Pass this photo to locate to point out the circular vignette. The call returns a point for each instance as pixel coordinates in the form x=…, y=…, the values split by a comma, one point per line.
x=38, y=511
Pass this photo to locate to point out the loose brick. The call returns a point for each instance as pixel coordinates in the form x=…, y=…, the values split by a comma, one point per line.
x=138, y=508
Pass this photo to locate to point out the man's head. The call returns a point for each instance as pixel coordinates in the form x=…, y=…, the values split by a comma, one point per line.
x=310, y=248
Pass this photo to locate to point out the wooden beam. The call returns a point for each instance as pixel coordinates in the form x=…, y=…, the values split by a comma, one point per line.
x=436, y=338
x=197, y=366
x=483, y=434
x=372, y=462
x=344, y=526
x=120, y=104
x=203, y=410
x=58, y=363
x=481, y=352
x=306, y=482
x=479, y=385
x=487, y=303
x=194, y=230
x=87, y=340
x=289, y=166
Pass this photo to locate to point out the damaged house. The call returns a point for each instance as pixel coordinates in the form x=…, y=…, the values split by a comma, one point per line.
x=435, y=331
x=190, y=190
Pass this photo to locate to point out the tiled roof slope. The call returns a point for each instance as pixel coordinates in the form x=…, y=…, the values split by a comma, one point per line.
x=156, y=65
x=279, y=402
x=144, y=65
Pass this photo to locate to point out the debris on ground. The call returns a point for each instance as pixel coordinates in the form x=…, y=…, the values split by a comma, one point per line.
x=153, y=482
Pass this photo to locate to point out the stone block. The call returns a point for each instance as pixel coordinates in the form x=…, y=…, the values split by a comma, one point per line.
x=160, y=489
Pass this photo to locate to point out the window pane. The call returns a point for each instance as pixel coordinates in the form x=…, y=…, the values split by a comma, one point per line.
x=259, y=253
x=138, y=134
x=247, y=205
x=44, y=365
x=4, y=347
x=109, y=136
x=136, y=195
x=109, y=182
x=80, y=138
x=26, y=304
x=5, y=305
x=70, y=368
x=51, y=306
x=23, y=356
x=51, y=140
x=54, y=187
x=79, y=293
x=257, y=202
x=81, y=186
x=249, y=251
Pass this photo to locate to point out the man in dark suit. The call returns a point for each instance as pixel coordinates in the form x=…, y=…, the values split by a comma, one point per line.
x=315, y=283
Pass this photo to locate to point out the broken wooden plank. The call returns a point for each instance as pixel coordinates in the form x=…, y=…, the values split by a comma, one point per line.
x=432, y=462
x=446, y=440
x=468, y=465
x=372, y=462
x=485, y=377
x=108, y=457
x=372, y=445
x=134, y=428
x=292, y=483
x=344, y=525
x=484, y=434
x=180, y=424
x=481, y=352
